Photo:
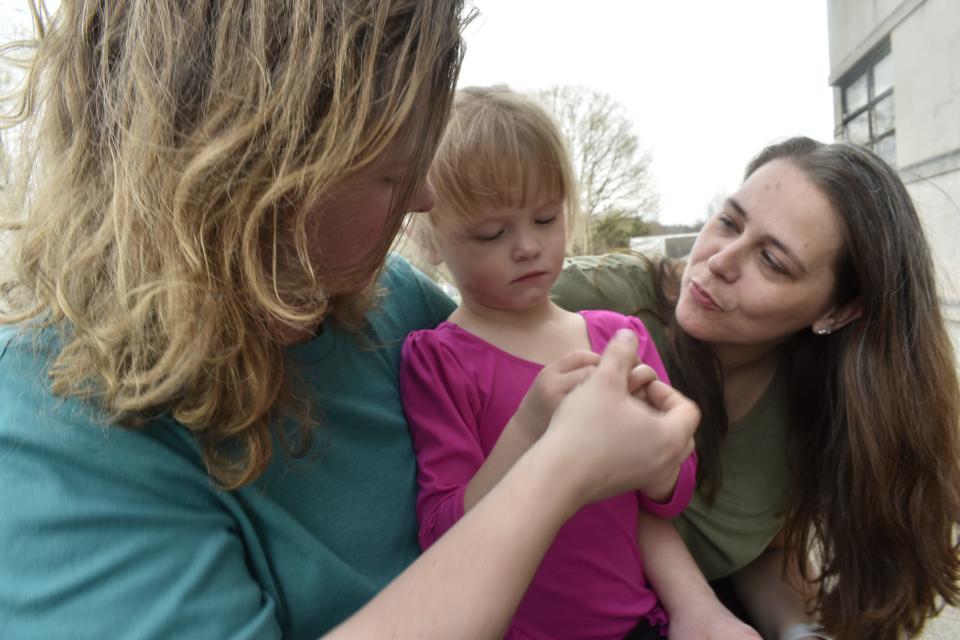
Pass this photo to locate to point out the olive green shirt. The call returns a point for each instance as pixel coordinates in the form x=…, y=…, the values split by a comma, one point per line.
x=748, y=510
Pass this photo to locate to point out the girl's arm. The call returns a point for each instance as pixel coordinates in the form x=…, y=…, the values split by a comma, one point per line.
x=777, y=602
x=440, y=400
x=694, y=610
x=550, y=387
x=601, y=442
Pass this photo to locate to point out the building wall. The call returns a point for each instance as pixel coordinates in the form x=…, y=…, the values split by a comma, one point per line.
x=924, y=37
x=926, y=48
x=855, y=23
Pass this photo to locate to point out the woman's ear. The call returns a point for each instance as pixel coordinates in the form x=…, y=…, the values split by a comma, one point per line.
x=838, y=317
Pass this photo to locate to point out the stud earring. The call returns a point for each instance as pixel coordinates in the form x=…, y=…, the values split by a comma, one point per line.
x=823, y=331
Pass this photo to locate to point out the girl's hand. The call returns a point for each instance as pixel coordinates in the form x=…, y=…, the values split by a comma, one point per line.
x=609, y=442
x=559, y=378
x=550, y=387
x=640, y=377
x=709, y=620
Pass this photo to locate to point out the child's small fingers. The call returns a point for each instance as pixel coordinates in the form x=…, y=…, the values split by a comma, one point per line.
x=575, y=360
x=640, y=376
x=571, y=379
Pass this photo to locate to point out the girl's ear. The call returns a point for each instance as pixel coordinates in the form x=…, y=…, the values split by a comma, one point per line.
x=838, y=317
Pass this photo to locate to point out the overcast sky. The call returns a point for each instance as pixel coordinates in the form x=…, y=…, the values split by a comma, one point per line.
x=707, y=83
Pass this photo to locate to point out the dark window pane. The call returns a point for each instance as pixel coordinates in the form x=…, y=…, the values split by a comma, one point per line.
x=858, y=129
x=883, y=119
x=883, y=75
x=855, y=94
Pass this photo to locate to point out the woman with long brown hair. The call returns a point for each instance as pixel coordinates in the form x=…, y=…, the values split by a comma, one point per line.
x=806, y=326
x=200, y=430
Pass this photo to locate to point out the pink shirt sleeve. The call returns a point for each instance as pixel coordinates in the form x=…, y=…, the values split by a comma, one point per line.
x=439, y=402
x=682, y=492
x=687, y=478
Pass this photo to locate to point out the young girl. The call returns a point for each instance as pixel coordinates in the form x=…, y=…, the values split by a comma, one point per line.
x=505, y=207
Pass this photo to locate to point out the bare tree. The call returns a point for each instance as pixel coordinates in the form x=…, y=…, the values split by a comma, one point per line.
x=612, y=166
x=715, y=203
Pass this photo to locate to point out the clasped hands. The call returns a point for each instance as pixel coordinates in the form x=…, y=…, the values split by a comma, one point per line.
x=616, y=427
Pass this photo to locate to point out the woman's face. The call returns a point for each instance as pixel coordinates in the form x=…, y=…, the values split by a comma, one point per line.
x=350, y=223
x=763, y=268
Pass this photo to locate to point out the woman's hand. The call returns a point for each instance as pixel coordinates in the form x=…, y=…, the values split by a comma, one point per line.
x=549, y=388
x=559, y=378
x=608, y=441
x=554, y=382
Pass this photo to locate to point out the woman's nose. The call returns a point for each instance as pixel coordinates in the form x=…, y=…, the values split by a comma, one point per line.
x=424, y=199
x=725, y=262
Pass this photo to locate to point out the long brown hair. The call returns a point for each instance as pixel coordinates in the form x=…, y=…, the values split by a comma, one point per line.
x=174, y=153
x=874, y=411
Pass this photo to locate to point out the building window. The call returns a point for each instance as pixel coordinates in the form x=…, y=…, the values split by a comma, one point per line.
x=868, y=117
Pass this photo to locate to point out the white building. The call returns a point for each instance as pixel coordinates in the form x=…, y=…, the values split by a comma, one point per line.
x=895, y=69
x=676, y=246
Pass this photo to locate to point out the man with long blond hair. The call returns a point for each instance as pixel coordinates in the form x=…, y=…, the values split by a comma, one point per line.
x=200, y=432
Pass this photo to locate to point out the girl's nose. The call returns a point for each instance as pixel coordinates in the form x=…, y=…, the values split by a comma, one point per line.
x=527, y=246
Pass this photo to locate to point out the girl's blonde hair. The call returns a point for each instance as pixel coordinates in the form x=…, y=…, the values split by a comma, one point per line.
x=500, y=149
x=174, y=153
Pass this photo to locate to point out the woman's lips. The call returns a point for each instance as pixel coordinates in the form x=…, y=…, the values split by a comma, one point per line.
x=703, y=298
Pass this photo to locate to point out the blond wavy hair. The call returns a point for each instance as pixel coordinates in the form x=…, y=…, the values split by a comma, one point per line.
x=173, y=156
x=500, y=149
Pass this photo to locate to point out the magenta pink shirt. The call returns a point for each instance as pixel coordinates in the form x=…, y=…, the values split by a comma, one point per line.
x=458, y=393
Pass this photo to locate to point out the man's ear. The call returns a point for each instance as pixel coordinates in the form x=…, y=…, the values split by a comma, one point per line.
x=839, y=316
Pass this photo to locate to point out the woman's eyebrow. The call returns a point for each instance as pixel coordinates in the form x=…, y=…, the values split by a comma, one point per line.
x=739, y=209
x=769, y=238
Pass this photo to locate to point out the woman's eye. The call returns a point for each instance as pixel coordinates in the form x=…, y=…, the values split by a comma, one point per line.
x=546, y=220
x=772, y=262
x=726, y=221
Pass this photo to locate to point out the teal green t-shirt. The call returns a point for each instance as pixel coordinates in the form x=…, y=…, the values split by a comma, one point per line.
x=107, y=532
x=748, y=511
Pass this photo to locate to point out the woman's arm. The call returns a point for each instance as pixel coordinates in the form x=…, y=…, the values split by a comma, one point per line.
x=775, y=601
x=601, y=442
x=551, y=386
x=694, y=610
